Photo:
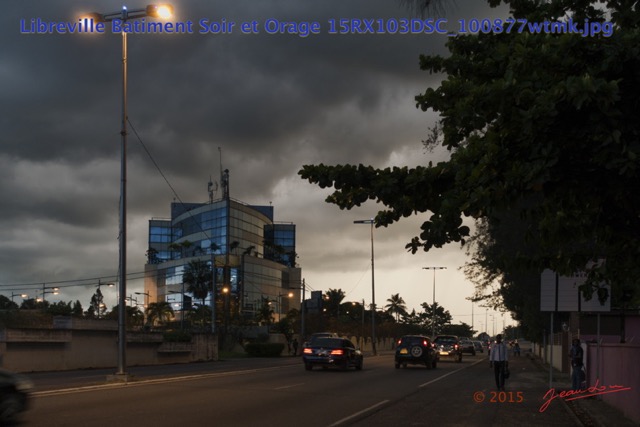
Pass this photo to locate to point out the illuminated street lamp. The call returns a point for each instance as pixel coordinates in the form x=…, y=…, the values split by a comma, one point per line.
x=124, y=15
x=18, y=295
x=373, y=288
x=288, y=295
x=53, y=291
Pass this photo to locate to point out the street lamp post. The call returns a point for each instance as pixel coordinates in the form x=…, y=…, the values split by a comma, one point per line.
x=373, y=288
x=146, y=303
x=18, y=295
x=155, y=11
x=288, y=295
x=53, y=291
x=433, y=314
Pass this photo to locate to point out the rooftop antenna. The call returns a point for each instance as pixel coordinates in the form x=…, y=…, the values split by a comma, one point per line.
x=224, y=178
x=212, y=188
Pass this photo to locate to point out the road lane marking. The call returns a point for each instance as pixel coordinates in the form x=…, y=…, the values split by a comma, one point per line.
x=142, y=382
x=357, y=414
x=450, y=373
x=288, y=386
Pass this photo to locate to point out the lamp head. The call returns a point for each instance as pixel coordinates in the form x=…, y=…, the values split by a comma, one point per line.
x=162, y=11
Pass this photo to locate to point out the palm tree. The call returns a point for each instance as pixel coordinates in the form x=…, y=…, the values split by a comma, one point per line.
x=160, y=312
x=197, y=277
x=396, y=306
x=265, y=312
x=332, y=300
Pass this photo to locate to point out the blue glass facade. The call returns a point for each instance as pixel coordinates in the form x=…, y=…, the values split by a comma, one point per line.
x=259, y=255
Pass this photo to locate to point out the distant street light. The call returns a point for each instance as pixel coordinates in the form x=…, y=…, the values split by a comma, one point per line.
x=373, y=288
x=433, y=313
x=53, y=291
x=16, y=295
x=155, y=11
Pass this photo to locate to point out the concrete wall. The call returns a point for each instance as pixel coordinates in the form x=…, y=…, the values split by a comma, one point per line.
x=32, y=350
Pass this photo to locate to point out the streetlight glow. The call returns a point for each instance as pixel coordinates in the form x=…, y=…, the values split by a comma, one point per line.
x=162, y=11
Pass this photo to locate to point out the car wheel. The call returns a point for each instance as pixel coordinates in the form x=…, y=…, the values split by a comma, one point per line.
x=404, y=365
x=359, y=365
x=308, y=366
x=416, y=351
x=473, y=353
x=397, y=365
x=433, y=365
x=9, y=408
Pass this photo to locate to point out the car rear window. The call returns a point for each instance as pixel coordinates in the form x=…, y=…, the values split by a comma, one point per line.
x=413, y=340
x=328, y=342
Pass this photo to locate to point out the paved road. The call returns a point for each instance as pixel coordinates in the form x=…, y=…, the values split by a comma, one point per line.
x=280, y=392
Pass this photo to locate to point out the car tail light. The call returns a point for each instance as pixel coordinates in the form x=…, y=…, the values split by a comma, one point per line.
x=307, y=351
x=455, y=346
x=337, y=352
x=425, y=343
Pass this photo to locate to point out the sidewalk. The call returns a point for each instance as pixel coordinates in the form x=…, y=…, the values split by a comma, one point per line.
x=521, y=404
x=591, y=411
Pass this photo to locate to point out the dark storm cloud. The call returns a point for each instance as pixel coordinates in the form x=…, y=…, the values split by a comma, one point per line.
x=271, y=103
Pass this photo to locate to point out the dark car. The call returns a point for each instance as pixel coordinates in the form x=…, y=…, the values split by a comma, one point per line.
x=331, y=352
x=415, y=350
x=467, y=346
x=478, y=346
x=317, y=335
x=448, y=346
x=14, y=395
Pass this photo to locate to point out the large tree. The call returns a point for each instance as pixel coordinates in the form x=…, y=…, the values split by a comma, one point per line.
x=543, y=130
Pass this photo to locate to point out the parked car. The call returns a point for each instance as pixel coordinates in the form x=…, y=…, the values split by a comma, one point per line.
x=15, y=392
x=415, y=350
x=331, y=352
x=478, y=346
x=467, y=346
x=448, y=346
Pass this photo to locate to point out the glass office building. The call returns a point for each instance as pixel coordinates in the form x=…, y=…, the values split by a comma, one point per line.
x=254, y=256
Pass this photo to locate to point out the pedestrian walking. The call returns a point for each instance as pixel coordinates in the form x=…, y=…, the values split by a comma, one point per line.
x=499, y=361
x=295, y=346
x=576, y=354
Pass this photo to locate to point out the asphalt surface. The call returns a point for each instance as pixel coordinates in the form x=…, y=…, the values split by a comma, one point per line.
x=528, y=376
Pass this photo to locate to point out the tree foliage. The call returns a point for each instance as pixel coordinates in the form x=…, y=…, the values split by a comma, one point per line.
x=396, y=306
x=198, y=278
x=543, y=133
x=159, y=313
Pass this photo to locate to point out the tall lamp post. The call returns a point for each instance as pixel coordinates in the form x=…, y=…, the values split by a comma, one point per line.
x=373, y=288
x=18, y=295
x=433, y=314
x=53, y=291
x=154, y=11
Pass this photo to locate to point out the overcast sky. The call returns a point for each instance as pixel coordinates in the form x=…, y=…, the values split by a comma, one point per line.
x=269, y=103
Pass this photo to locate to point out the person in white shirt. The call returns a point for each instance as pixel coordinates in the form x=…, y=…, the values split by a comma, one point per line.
x=499, y=361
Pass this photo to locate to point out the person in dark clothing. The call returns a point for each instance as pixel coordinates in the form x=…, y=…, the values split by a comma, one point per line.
x=499, y=361
x=576, y=354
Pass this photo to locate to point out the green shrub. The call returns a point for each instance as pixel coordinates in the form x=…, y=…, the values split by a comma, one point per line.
x=260, y=349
